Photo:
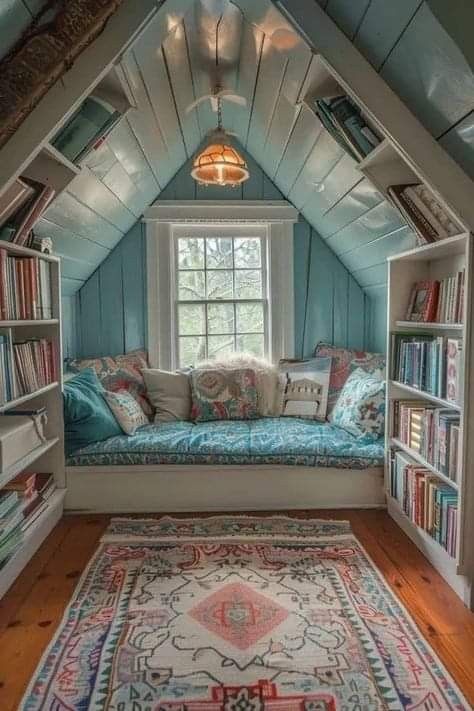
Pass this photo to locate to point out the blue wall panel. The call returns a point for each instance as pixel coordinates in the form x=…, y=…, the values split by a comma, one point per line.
x=329, y=304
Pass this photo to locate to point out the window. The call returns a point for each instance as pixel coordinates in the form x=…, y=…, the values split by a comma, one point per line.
x=220, y=280
x=221, y=295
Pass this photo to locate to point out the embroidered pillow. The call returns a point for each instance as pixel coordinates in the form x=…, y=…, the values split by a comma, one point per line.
x=223, y=395
x=304, y=387
x=121, y=372
x=266, y=378
x=344, y=362
x=126, y=409
x=360, y=407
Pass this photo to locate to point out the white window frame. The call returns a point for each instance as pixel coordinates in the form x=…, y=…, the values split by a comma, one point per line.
x=167, y=219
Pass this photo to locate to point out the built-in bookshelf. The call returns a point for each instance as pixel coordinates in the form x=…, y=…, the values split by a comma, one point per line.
x=48, y=457
x=429, y=446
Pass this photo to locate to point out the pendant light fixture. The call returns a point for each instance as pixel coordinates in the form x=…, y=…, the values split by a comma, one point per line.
x=220, y=163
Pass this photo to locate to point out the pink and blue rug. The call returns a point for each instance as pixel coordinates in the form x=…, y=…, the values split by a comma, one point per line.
x=237, y=613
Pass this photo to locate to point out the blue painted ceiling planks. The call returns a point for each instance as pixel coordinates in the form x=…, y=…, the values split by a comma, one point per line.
x=405, y=41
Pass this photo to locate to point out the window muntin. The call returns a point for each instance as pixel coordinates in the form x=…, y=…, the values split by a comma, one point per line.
x=220, y=295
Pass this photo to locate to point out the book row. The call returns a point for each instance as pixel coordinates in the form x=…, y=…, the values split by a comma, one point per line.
x=431, y=431
x=425, y=499
x=343, y=120
x=25, y=288
x=429, y=363
x=21, y=208
x=438, y=301
x=423, y=212
x=22, y=501
x=25, y=367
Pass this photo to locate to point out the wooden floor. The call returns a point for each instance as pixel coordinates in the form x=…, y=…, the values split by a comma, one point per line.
x=32, y=609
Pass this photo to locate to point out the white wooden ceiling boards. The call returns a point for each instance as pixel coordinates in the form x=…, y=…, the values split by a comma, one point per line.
x=180, y=58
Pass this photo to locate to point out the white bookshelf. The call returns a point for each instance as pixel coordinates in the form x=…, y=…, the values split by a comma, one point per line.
x=437, y=261
x=49, y=456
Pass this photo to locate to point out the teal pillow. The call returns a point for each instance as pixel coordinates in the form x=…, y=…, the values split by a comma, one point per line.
x=87, y=417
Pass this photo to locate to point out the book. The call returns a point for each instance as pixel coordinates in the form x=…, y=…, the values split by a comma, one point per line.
x=453, y=370
x=25, y=288
x=34, y=212
x=423, y=212
x=423, y=301
x=14, y=198
x=8, y=499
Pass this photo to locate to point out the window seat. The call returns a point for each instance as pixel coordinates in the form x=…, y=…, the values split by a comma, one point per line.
x=269, y=441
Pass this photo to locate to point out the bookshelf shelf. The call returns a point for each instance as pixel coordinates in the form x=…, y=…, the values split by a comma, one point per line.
x=421, y=460
x=27, y=461
x=441, y=560
x=30, y=396
x=425, y=396
x=33, y=538
x=437, y=261
x=40, y=323
x=20, y=251
x=427, y=326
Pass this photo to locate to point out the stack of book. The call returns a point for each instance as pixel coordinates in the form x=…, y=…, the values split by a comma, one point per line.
x=25, y=288
x=25, y=367
x=431, y=431
x=11, y=520
x=423, y=212
x=21, y=222
x=425, y=499
x=347, y=126
x=33, y=491
x=429, y=363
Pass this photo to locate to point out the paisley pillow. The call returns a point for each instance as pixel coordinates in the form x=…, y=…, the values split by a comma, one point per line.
x=360, y=408
x=223, y=394
x=126, y=409
x=344, y=362
x=121, y=372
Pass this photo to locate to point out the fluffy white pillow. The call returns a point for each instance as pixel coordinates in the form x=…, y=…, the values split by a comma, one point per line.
x=266, y=378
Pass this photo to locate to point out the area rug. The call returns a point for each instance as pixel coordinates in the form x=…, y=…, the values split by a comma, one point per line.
x=236, y=613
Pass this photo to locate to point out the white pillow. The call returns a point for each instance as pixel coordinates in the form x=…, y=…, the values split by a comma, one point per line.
x=126, y=410
x=266, y=378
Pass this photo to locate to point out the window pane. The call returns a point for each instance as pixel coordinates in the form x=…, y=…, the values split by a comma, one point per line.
x=251, y=343
x=248, y=284
x=190, y=253
x=220, y=318
x=249, y=318
x=220, y=345
x=192, y=320
x=247, y=252
x=219, y=253
x=192, y=349
x=191, y=285
x=219, y=285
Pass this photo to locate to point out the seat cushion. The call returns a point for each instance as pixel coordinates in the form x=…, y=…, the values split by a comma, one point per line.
x=263, y=441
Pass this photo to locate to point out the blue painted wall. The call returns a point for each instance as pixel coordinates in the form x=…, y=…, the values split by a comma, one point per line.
x=110, y=307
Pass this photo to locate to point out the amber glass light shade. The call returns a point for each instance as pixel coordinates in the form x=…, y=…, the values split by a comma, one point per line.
x=220, y=164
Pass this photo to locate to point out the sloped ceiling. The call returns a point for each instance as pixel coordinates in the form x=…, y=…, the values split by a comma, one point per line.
x=237, y=45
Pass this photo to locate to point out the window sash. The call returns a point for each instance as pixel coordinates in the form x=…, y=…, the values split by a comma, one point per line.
x=212, y=232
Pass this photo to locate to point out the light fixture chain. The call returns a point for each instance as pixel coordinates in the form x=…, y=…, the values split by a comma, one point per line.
x=219, y=113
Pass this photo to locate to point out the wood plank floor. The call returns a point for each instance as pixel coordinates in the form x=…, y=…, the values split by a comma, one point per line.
x=32, y=609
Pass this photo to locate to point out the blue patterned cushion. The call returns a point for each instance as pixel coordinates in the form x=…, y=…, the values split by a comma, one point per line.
x=262, y=441
x=360, y=408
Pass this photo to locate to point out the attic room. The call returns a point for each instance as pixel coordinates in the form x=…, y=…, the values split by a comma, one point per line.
x=236, y=360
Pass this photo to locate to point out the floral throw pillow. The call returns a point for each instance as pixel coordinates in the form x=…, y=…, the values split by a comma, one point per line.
x=360, y=408
x=126, y=410
x=121, y=372
x=344, y=362
x=223, y=395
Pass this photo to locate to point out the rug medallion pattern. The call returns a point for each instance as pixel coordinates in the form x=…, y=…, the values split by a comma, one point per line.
x=236, y=614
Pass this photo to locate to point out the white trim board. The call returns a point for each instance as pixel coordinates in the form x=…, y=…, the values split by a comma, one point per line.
x=193, y=487
x=164, y=219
